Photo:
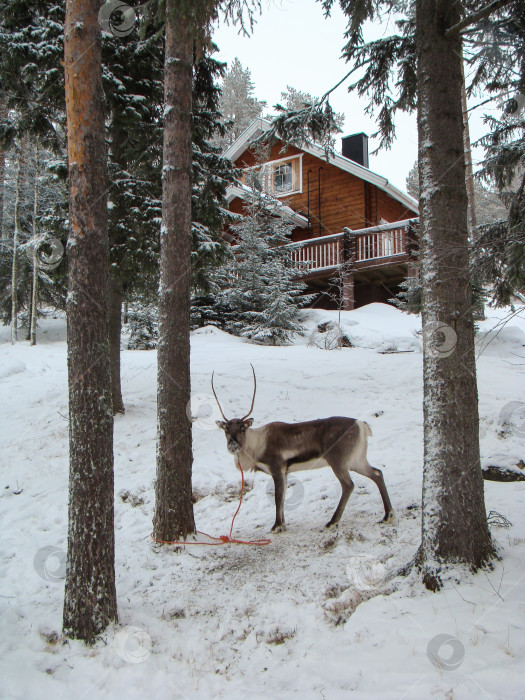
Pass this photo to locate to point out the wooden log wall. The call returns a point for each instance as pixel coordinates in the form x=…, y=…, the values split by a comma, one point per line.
x=333, y=198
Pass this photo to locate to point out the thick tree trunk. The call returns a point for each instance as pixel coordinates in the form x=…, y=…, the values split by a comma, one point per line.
x=115, y=329
x=90, y=598
x=173, y=518
x=454, y=525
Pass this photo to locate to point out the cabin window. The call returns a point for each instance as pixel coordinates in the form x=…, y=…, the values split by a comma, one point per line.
x=279, y=178
x=282, y=178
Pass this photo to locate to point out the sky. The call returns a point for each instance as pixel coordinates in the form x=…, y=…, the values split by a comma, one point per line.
x=294, y=44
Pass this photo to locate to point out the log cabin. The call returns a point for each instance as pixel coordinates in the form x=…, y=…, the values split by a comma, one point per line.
x=353, y=237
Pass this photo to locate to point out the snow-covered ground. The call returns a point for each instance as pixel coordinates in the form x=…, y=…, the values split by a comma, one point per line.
x=317, y=613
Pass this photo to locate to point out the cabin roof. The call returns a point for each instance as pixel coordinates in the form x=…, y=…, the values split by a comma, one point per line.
x=260, y=126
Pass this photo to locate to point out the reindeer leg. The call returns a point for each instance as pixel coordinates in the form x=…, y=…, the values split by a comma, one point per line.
x=279, y=480
x=377, y=477
x=347, y=486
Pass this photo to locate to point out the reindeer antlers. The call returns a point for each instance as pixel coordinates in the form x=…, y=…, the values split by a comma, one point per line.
x=253, y=397
x=254, y=390
x=216, y=399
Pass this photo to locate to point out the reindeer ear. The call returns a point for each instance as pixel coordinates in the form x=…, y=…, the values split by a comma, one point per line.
x=248, y=423
x=221, y=424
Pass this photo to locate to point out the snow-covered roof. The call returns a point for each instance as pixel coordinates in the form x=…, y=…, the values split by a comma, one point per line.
x=260, y=126
x=272, y=204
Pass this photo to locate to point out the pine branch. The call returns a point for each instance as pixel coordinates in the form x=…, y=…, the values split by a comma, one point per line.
x=343, y=79
x=476, y=16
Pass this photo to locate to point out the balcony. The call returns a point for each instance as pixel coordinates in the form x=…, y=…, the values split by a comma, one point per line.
x=367, y=248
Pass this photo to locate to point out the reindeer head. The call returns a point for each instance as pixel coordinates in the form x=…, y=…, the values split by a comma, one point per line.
x=235, y=429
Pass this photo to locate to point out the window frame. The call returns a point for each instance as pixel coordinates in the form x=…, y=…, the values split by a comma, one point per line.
x=267, y=174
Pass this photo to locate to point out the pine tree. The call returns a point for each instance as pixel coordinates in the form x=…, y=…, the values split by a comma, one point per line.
x=34, y=258
x=5, y=139
x=90, y=602
x=173, y=518
x=237, y=104
x=186, y=32
x=421, y=66
x=263, y=301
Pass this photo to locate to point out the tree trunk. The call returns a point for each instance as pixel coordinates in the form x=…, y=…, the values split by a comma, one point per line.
x=454, y=525
x=90, y=598
x=14, y=261
x=115, y=329
x=34, y=286
x=472, y=218
x=3, y=117
x=118, y=239
x=173, y=518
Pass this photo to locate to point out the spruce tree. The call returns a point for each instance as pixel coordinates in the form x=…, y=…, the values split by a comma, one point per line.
x=263, y=300
x=500, y=246
x=212, y=174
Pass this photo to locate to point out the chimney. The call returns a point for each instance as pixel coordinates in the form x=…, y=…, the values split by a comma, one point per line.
x=355, y=147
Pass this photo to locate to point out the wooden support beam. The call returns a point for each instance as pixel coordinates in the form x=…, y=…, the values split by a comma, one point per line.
x=348, y=290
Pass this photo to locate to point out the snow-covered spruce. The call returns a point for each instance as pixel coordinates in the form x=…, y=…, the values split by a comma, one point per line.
x=259, y=287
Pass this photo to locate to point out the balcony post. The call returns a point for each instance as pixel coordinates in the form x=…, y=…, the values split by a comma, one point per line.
x=347, y=270
x=348, y=291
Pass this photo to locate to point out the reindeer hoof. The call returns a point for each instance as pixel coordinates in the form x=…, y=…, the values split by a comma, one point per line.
x=389, y=519
x=331, y=524
x=279, y=528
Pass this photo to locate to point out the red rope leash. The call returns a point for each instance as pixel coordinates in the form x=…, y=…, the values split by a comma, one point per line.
x=223, y=539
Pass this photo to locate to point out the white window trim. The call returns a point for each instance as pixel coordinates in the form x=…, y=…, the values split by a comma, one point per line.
x=269, y=164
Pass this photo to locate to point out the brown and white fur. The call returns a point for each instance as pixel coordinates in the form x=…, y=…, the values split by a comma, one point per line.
x=281, y=448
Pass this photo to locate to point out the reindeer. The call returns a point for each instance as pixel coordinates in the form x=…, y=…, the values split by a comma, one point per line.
x=279, y=449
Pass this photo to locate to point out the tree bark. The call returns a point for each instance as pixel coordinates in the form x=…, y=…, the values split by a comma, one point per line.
x=14, y=261
x=3, y=117
x=117, y=242
x=173, y=519
x=454, y=527
x=90, y=598
x=34, y=285
x=115, y=329
x=469, y=174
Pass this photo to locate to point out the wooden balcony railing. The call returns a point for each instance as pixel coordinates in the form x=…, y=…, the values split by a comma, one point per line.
x=367, y=244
